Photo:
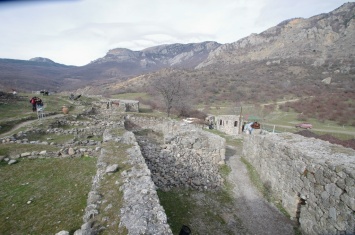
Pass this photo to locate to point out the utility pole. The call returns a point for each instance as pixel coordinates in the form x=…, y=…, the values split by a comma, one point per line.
x=240, y=120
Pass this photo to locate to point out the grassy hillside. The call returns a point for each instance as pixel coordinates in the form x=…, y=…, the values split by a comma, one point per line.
x=17, y=109
x=44, y=196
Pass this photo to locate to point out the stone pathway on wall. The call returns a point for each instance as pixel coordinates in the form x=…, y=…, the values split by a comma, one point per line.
x=257, y=215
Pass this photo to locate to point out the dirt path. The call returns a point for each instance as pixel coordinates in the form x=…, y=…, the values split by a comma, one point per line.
x=257, y=215
x=18, y=126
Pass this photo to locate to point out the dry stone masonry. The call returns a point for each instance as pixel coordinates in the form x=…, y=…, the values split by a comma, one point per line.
x=120, y=105
x=314, y=180
x=187, y=158
x=80, y=145
x=141, y=212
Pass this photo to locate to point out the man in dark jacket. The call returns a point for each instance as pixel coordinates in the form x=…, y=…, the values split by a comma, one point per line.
x=33, y=101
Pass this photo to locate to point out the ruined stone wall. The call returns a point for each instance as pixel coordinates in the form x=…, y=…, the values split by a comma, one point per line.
x=117, y=105
x=160, y=124
x=315, y=180
x=141, y=212
x=188, y=156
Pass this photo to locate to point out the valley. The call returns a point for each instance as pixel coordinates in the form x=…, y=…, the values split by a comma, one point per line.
x=124, y=161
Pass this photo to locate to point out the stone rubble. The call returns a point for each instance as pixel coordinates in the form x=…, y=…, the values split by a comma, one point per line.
x=314, y=180
x=185, y=161
x=70, y=148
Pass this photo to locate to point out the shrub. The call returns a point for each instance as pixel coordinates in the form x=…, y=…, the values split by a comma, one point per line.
x=301, y=117
x=186, y=112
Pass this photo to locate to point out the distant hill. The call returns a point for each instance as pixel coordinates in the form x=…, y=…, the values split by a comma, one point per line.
x=293, y=58
x=118, y=64
x=34, y=74
x=289, y=59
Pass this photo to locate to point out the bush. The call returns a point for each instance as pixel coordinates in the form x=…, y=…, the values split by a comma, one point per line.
x=192, y=113
x=301, y=117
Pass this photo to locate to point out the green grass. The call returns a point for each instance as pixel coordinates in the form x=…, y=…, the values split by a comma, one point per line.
x=21, y=108
x=56, y=138
x=178, y=208
x=18, y=111
x=266, y=192
x=230, y=140
x=6, y=126
x=202, y=212
x=280, y=119
x=289, y=119
x=14, y=149
x=57, y=189
x=130, y=96
x=109, y=186
x=255, y=178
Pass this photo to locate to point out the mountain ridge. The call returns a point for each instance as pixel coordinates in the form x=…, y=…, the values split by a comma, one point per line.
x=301, y=38
x=293, y=48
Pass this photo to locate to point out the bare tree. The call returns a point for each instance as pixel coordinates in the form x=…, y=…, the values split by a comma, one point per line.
x=173, y=91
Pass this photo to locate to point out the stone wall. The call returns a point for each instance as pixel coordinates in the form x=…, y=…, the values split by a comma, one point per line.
x=118, y=105
x=229, y=124
x=159, y=124
x=141, y=212
x=186, y=156
x=314, y=180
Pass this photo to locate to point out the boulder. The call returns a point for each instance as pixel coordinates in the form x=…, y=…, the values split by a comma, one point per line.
x=12, y=161
x=112, y=168
x=71, y=151
x=25, y=154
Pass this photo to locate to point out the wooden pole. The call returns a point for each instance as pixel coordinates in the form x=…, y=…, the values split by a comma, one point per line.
x=240, y=120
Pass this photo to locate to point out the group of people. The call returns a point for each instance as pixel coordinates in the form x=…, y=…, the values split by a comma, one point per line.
x=36, y=102
x=249, y=127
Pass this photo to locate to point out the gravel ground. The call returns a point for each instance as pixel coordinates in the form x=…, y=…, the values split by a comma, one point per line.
x=257, y=215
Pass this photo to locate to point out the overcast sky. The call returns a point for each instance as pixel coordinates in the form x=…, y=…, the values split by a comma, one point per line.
x=75, y=32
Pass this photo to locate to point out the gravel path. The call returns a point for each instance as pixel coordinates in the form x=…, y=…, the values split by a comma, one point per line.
x=257, y=215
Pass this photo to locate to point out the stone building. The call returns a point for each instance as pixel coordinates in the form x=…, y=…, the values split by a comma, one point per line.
x=229, y=124
x=121, y=105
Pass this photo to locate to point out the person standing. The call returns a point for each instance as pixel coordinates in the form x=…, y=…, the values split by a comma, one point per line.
x=33, y=101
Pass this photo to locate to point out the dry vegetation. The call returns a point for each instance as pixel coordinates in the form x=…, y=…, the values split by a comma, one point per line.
x=253, y=82
x=331, y=139
x=338, y=107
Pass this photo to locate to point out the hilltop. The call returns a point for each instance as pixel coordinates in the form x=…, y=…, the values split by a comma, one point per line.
x=298, y=57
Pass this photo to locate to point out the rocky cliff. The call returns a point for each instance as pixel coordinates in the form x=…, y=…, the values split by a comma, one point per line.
x=173, y=55
x=316, y=40
x=295, y=54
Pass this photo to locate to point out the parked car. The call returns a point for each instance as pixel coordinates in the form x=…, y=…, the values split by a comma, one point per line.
x=304, y=125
